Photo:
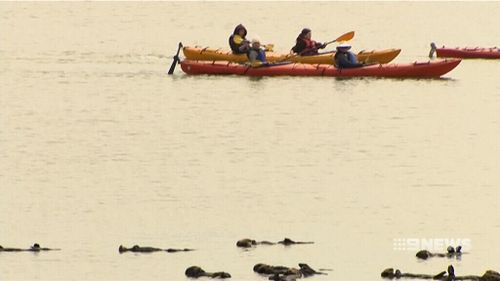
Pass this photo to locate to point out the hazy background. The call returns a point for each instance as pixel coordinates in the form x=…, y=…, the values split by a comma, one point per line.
x=99, y=147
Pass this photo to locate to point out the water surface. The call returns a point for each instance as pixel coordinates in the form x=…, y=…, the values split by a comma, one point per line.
x=99, y=147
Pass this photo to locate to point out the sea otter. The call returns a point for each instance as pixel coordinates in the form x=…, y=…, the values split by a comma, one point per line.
x=283, y=273
x=139, y=249
x=35, y=248
x=451, y=252
x=248, y=243
x=448, y=275
x=196, y=272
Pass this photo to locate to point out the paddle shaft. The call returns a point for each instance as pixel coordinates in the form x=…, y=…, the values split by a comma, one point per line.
x=344, y=37
x=176, y=59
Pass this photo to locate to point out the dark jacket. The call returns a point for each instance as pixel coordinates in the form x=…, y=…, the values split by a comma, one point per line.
x=306, y=47
x=345, y=60
x=235, y=47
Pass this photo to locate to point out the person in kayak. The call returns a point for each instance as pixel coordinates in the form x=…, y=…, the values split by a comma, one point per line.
x=344, y=58
x=305, y=46
x=256, y=55
x=237, y=40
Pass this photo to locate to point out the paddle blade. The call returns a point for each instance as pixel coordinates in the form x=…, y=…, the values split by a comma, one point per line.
x=345, y=37
x=172, y=67
x=269, y=47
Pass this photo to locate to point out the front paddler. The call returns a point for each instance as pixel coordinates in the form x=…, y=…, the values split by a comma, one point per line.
x=237, y=40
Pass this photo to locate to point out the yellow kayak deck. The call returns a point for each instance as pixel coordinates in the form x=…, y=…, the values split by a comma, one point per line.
x=212, y=54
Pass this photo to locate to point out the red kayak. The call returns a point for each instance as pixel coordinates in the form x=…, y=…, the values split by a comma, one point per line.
x=467, y=53
x=429, y=69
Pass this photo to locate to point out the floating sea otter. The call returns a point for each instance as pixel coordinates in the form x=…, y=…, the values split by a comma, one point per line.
x=247, y=243
x=451, y=252
x=138, y=249
x=283, y=273
x=489, y=275
x=35, y=248
x=196, y=272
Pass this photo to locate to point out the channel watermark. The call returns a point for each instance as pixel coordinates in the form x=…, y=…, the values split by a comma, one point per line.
x=430, y=244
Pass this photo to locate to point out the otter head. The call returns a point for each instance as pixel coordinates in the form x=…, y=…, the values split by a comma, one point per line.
x=121, y=249
x=246, y=243
x=458, y=249
x=388, y=273
x=260, y=268
x=194, y=271
x=424, y=254
x=306, y=270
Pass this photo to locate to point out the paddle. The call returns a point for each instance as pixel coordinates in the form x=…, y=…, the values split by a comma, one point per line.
x=176, y=59
x=433, y=50
x=344, y=37
x=268, y=47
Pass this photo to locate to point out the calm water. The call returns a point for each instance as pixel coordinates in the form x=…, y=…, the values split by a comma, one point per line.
x=99, y=147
